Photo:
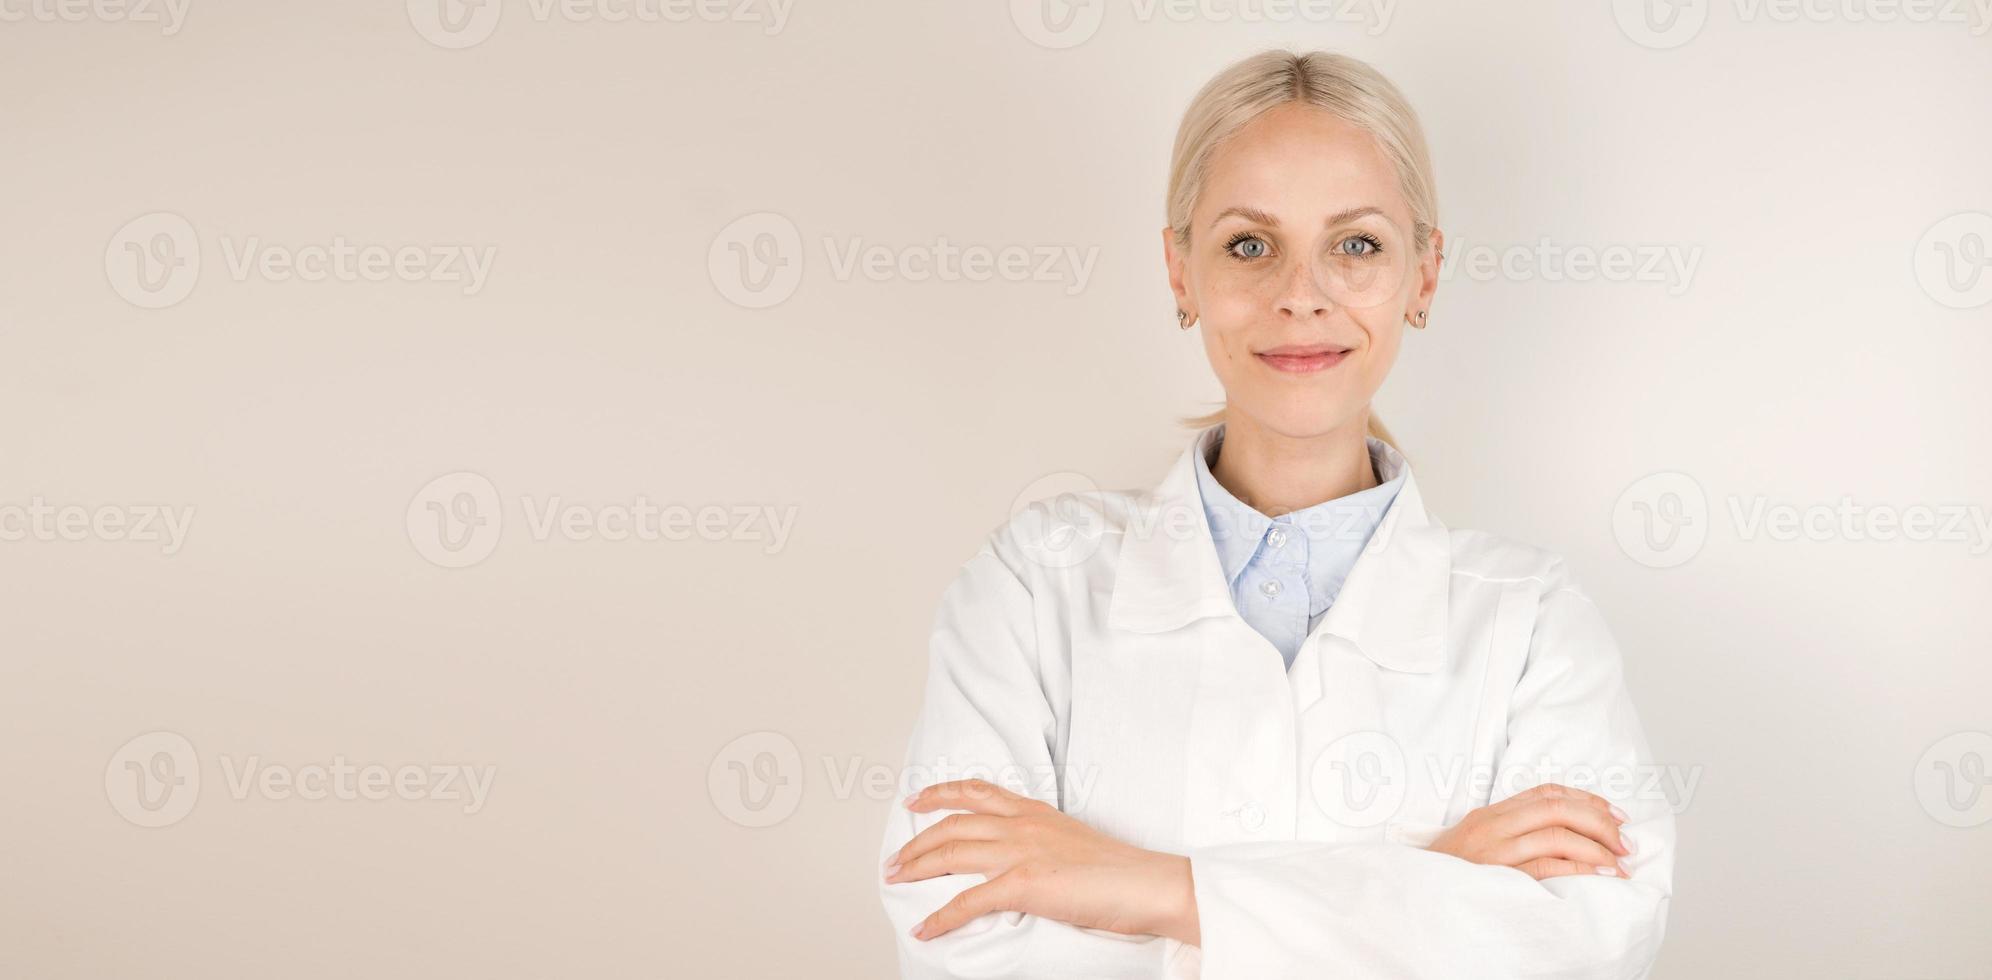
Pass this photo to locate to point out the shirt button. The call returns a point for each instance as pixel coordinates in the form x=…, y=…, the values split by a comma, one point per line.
x=1252, y=817
x=1271, y=587
x=1276, y=537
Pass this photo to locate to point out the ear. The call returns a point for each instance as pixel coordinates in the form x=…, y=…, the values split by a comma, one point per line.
x=1428, y=272
x=1174, y=259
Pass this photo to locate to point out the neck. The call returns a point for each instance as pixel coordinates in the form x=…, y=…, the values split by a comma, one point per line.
x=1277, y=474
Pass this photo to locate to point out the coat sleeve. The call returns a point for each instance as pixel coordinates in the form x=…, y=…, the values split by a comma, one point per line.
x=1277, y=909
x=989, y=713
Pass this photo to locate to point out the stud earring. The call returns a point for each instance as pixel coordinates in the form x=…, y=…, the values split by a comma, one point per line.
x=1420, y=323
x=1183, y=320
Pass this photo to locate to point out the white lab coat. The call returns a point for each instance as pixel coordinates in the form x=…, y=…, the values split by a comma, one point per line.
x=1089, y=655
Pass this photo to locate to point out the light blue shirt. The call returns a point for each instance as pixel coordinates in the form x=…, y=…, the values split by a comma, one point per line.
x=1285, y=571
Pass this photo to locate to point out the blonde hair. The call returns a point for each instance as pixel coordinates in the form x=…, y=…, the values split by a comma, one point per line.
x=1345, y=86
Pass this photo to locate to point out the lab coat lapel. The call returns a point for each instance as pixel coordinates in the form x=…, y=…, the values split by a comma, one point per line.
x=1392, y=609
x=1168, y=574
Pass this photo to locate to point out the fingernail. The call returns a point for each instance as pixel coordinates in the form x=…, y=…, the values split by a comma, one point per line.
x=1608, y=872
x=1631, y=846
x=1620, y=814
x=890, y=870
x=910, y=797
x=917, y=929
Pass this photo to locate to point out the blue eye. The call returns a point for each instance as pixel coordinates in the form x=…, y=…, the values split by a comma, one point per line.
x=1246, y=246
x=1359, y=246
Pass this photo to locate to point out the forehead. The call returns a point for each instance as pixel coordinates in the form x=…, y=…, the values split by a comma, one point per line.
x=1300, y=161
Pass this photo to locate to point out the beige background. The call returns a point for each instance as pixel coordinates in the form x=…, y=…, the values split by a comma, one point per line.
x=1801, y=162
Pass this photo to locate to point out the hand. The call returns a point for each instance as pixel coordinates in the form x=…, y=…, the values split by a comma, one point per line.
x=1547, y=831
x=1040, y=861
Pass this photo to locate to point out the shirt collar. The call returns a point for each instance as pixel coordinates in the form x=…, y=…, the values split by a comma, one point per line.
x=1392, y=607
x=1332, y=534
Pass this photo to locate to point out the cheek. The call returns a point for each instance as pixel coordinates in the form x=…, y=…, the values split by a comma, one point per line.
x=1222, y=346
x=1385, y=339
x=1232, y=290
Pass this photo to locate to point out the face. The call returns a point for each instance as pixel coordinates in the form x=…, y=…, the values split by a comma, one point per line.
x=1301, y=269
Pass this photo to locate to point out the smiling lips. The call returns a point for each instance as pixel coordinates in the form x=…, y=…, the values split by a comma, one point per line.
x=1303, y=358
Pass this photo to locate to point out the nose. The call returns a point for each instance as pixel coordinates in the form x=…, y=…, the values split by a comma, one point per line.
x=1300, y=296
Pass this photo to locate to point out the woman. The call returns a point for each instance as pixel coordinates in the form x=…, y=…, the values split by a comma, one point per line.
x=1272, y=718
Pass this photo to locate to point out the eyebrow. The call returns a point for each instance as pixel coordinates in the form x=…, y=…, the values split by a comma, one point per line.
x=1261, y=217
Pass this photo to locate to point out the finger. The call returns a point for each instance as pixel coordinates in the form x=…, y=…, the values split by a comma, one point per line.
x=1557, y=842
x=1562, y=811
x=990, y=896
x=957, y=857
x=1558, y=791
x=1541, y=868
x=978, y=795
x=954, y=826
x=1550, y=791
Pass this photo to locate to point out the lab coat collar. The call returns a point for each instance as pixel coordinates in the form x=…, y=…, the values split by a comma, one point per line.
x=1392, y=607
